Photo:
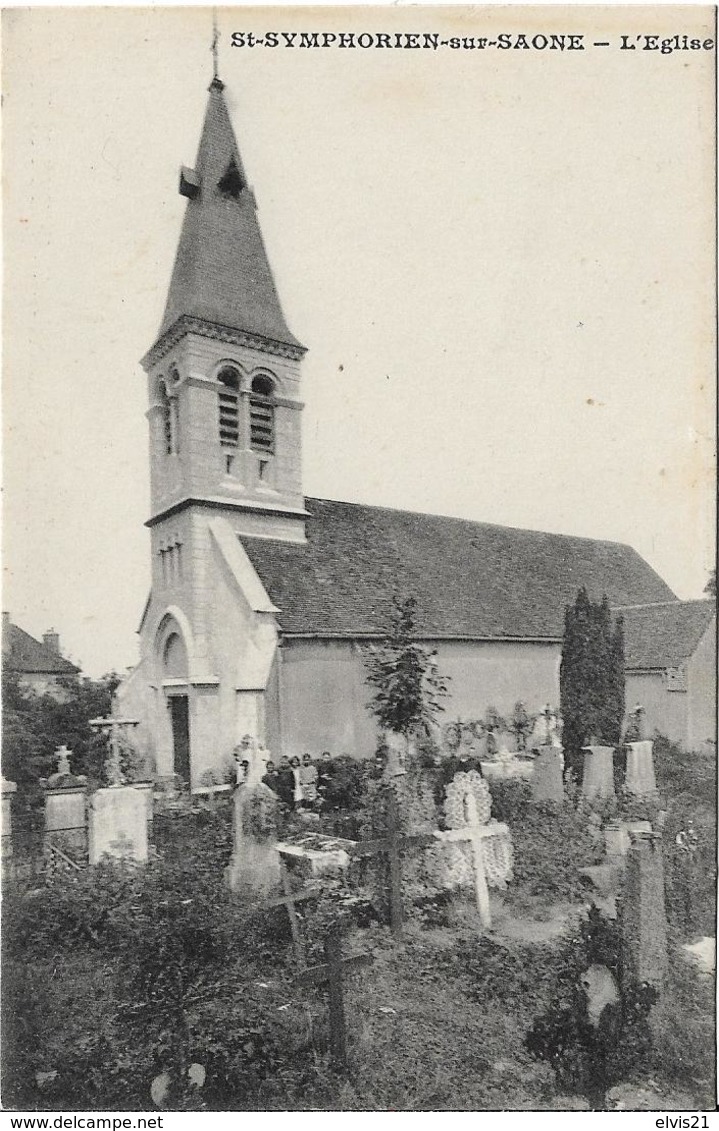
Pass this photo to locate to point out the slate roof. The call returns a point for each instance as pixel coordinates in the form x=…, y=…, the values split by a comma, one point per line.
x=221, y=272
x=664, y=635
x=470, y=579
x=23, y=653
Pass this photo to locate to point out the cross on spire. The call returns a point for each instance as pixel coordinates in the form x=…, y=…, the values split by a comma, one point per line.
x=216, y=80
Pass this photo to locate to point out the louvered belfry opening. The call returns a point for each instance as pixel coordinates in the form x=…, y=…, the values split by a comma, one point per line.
x=229, y=405
x=166, y=419
x=262, y=416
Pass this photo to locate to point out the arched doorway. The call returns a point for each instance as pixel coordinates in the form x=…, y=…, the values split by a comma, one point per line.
x=174, y=663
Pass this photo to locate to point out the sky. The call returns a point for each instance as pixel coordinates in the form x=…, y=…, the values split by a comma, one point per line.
x=501, y=263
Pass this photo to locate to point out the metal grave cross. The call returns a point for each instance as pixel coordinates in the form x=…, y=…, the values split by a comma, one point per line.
x=330, y=973
x=391, y=846
x=112, y=726
x=288, y=900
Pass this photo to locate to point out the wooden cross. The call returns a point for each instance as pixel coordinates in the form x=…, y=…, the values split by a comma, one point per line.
x=331, y=973
x=474, y=833
x=392, y=847
x=288, y=900
x=113, y=725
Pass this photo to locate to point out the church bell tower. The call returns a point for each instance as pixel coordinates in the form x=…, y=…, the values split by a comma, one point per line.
x=224, y=372
x=225, y=463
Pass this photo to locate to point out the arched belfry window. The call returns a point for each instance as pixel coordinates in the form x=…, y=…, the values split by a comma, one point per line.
x=262, y=415
x=229, y=402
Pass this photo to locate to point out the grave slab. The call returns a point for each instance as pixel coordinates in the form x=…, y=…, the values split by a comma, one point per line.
x=640, y=778
x=118, y=824
x=598, y=780
x=547, y=779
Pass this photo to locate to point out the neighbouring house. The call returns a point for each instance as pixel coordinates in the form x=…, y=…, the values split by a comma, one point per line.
x=262, y=599
x=671, y=670
x=40, y=667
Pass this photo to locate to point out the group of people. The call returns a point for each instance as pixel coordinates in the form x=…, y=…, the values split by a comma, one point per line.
x=297, y=783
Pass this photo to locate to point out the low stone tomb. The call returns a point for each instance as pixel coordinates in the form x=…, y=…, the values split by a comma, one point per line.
x=640, y=779
x=598, y=779
x=506, y=765
x=548, y=779
x=118, y=824
x=316, y=854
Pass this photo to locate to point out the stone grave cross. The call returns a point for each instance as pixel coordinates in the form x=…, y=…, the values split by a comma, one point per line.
x=473, y=832
x=113, y=727
x=391, y=846
x=251, y=750
x=331, y=974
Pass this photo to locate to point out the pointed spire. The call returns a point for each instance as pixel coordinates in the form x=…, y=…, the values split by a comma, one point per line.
x=221, y=273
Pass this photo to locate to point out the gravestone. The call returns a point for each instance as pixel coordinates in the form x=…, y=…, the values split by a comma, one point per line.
x=66, y=808
x=8, y=789
x=617, y=838
x=598, y=779
x=255, y=859
x=644, y=922
x=118, y=824
x=640, y=779
x=547, y=779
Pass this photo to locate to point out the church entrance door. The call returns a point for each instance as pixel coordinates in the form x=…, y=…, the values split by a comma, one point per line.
x=180, y=715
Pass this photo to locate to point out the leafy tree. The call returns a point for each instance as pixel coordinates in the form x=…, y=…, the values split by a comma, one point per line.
x=711, y=586
x=407, y=685
x=35, y=725
x=591, y=677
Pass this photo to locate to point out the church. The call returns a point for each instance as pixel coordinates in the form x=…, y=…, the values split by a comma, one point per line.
x=263, y=600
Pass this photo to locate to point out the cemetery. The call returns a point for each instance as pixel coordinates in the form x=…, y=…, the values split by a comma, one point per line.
x=464, y=923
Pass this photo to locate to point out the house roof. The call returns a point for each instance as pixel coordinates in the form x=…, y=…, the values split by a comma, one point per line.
x=470, y=579
x=663, y=634
x=24, y=654
x=221, y=273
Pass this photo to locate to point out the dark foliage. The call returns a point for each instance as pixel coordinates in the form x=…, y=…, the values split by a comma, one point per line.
x=591, y=680
x=35, y=725
x=407, y=686
x=589, y=1058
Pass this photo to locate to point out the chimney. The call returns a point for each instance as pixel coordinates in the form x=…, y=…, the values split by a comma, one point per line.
x=51, y=640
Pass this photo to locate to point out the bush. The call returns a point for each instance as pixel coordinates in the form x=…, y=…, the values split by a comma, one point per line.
x=589, y=1058
x=551, y=842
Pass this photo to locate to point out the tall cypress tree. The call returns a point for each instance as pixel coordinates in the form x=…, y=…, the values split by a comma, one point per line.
x=591, y=676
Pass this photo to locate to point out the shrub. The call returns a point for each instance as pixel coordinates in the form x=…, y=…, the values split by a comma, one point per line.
x=589, y=1058
x=551, y=841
